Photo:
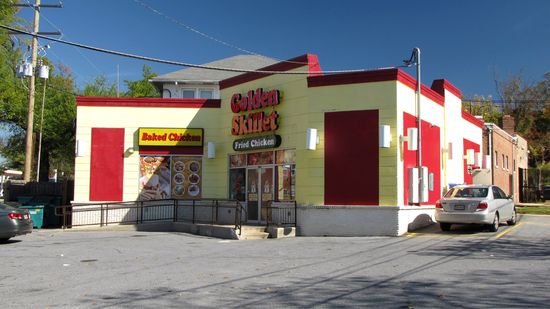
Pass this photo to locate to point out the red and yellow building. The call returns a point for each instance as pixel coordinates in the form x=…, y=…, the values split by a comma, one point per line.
x=337, y=144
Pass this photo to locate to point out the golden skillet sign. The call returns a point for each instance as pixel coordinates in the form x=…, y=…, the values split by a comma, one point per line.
x=256, y=121
x=170, y=137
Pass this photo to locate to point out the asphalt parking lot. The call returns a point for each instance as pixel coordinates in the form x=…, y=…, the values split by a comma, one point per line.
x=465, y=268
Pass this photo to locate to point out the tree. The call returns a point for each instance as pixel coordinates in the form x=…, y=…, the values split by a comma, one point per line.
x=59, y=112
x=142, y=88
x=12, y=94
x=529, y=104
x=58, y=136
x=484, y=107
x=100, y=87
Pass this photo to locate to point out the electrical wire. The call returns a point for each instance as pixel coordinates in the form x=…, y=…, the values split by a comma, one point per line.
x=207, y=35
x=183, y=64
x=62, y=36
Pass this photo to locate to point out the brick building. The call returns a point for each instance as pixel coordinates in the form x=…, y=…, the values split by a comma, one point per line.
x=505, y=152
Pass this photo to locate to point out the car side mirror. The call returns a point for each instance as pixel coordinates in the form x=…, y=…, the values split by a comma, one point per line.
x=511, y=197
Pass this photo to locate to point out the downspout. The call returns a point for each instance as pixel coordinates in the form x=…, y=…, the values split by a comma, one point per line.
x=490, y=150
x=416, y=50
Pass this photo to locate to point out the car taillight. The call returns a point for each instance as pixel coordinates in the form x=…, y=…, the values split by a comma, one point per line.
x=482, y=206
x=438, y=205
x=15, y=216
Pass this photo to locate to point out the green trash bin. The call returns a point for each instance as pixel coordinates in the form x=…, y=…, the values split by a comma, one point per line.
x=37, y=215
x=24, y=199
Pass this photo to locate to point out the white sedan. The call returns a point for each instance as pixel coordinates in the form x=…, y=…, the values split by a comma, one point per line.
x=475, y=204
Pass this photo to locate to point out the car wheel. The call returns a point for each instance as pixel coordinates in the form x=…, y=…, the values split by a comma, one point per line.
x=494, y=227
x=514, y=218
x=445, y=226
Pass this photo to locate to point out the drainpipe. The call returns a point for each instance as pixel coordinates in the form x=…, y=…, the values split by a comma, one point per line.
x=416, y=51
x=490, y=150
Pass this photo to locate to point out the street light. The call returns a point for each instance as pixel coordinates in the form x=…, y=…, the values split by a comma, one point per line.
x=415, y=60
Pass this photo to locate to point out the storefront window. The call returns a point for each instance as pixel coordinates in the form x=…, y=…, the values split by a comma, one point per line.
x=237, y=160
x=286, y=182
x=287, y=156
x=282, y=164
x=164, y=177
x=237, y=184
x=260, y=158
x=154, y=178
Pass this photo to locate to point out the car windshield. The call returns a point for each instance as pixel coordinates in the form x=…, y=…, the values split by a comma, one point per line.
x=467, y=192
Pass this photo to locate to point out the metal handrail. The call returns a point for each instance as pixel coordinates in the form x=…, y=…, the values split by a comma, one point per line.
x=282, y=219
x=239, y=211
x=138, y=212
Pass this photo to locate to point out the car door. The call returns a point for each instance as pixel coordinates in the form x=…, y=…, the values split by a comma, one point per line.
x=505, y=205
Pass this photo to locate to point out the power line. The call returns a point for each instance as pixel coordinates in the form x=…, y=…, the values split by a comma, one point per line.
x=62, y=36
x=183, y=64
x=207, y=35
x=522, y=101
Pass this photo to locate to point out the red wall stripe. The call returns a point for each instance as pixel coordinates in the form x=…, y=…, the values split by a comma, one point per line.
x=351, y=158
x=472, y=119
x=107, y=164
x=431, y=157
x=440, y=85
x=147, y=102
x=309, y=60
x=374, y=76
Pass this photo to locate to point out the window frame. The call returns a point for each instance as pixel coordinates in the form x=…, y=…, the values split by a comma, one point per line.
x=201, y=90
x=183, y=90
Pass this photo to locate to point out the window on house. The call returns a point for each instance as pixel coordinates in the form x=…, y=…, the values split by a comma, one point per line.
x=206, y=94
x=503, y=167
x=507, y=167
x=166, y=94
x=496, y=158
x=188, y=93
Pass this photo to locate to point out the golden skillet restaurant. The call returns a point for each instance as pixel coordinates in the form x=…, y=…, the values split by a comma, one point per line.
x=341, y=145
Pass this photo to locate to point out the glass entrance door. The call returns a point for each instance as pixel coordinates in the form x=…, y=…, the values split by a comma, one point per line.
x=259, y=192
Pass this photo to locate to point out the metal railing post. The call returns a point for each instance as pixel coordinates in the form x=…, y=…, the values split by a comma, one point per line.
x=217, y=211
x=175, y=210
x=295, y=214
x=193, y=219
x=212, y=213
x=101, y=215
x=137, y=212
x=141, y=211
x=64, y=217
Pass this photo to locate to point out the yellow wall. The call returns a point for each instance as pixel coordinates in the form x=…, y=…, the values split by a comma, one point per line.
x=132, y=118
x=379, y=96
x=300, y=108
x=293, y=116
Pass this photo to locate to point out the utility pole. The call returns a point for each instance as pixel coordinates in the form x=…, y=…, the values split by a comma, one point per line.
x=30, y=115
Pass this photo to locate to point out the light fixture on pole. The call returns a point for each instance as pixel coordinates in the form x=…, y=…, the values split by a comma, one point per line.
x=415, y=60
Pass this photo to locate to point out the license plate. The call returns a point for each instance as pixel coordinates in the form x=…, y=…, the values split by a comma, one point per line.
x=459, y=207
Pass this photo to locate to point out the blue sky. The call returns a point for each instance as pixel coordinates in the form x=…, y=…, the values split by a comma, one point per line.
x=466, y=42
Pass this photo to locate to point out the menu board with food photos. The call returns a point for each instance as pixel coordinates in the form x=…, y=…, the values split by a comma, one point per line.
x=154, y=177
x=186, y=177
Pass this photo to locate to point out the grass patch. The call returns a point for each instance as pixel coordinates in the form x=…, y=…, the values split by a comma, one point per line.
x=533, y=210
